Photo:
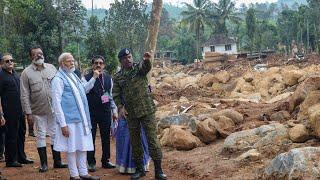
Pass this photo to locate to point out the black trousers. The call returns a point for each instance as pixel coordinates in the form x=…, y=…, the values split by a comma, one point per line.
x=2, y=139
x=15, y=137
x=103, y=120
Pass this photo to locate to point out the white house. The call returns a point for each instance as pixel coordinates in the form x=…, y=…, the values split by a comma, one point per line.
x=220, y=44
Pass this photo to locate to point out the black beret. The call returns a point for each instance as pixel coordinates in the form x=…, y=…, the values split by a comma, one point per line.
x=124, y=52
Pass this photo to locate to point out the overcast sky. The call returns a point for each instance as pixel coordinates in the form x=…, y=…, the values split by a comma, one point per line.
x=105, y=3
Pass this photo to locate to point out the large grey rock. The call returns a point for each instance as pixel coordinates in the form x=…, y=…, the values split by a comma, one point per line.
x=265, y=136
x=300, y=163
x=180, y=120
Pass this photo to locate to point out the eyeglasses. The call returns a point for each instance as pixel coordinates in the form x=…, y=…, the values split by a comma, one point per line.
x=96, y=63
x=9, y=60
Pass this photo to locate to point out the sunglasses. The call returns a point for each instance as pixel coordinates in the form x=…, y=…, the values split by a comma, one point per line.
x=97, y=63
x=9, y=60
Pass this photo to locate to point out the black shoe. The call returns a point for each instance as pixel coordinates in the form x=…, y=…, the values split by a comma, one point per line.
x=92, y=168
x=26, y=161
x=43, y=159
x=89, y=177
x=108, y=165
x=13, y=164
x=139, y=173
x=57, y=163
x=159, y=175
x=75, y=178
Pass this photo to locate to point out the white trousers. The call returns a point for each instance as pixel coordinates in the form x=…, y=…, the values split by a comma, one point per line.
x=77, y=163
x=45, y=124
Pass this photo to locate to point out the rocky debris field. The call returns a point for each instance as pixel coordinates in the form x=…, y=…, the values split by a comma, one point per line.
x=237, y=121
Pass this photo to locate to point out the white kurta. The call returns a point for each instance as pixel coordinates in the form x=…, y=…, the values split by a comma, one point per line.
x=77, y=140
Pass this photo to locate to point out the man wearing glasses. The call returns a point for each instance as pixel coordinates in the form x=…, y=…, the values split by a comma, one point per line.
x=12, y=114
x=102, y=108
x=36, y=103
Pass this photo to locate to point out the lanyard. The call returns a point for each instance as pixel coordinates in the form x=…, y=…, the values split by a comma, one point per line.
x=102, y=83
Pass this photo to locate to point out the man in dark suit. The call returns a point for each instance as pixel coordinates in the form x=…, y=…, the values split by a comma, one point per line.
x=102, y=109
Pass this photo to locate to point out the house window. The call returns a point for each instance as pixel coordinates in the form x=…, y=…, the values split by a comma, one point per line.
x=228, y=47
x=212, y=49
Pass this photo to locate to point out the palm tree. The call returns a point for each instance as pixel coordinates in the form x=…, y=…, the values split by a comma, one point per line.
x=220, y=13
x=196, y=16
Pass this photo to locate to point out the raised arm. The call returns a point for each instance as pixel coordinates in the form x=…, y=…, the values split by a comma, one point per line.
x=145, y=65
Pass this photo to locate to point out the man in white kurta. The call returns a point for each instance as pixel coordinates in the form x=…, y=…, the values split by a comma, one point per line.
x=73, y=134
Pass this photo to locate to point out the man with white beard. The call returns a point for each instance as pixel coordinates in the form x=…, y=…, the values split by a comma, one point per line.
x=35, y=92
x=71, y=110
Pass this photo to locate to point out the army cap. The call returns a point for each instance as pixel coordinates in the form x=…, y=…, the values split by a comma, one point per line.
x=123, y=53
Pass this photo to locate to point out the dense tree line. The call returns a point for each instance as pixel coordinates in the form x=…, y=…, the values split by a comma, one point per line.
x=65, y=25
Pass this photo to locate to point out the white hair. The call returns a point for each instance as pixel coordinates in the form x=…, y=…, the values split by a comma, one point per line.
x=63, y=57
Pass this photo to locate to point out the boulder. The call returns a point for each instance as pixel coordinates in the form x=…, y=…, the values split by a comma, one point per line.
x=206, y=131
x=300, y=163
x=222, y=76
x=314, y=119
x=207, y=80
x=179, y=138
x=291, y=77
x=303, y=90
x=279, y=97
x=225, y=126
x=299, y=133
x=280, y=116
x=312, y=98
x=261, y=138
x=229, y=113
x=180, y=119
x=188, y=81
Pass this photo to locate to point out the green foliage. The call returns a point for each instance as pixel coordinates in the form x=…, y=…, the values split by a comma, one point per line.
x=196, y=17
x=251, y=26
x=127, y=21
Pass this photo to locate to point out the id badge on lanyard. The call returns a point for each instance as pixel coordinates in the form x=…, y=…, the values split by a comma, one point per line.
x=105, y=96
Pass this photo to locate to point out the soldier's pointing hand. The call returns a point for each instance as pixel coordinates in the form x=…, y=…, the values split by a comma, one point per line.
x=146, y=56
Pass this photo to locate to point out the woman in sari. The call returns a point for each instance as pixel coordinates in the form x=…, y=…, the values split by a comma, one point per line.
x=124, y=159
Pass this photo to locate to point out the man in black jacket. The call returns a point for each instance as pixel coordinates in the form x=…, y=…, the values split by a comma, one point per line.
x=102, y=110
x=12, y=113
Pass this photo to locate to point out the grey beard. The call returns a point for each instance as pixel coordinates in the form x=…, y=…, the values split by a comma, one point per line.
x=69, y=70
x=38, y=61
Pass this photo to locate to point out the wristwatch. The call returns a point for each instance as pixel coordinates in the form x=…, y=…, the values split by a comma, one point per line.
x=1, y=114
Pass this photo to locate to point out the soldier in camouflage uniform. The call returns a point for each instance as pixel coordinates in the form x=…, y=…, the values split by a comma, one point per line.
x=132, y=95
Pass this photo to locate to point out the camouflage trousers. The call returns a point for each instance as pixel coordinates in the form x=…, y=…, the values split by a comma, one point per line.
x=149, y=125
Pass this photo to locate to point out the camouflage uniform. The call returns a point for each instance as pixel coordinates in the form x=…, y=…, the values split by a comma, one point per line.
x=131, y=90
